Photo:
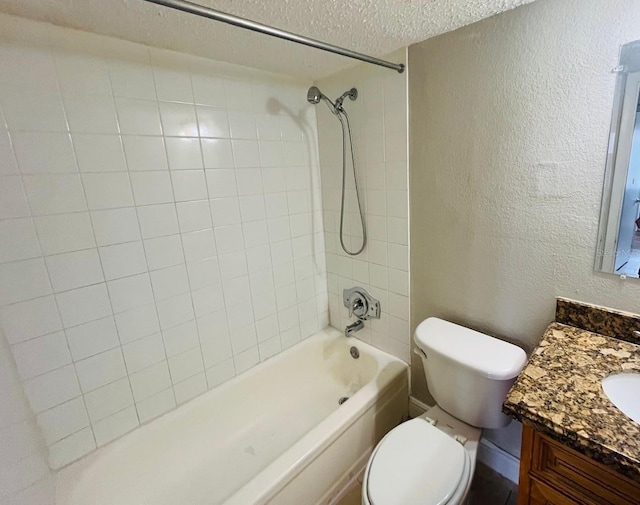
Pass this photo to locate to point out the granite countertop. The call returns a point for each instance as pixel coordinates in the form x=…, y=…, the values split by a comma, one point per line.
x=559, y=393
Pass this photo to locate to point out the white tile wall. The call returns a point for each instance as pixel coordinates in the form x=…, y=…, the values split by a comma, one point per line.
x=160, y=228
x=379, y=124
x=25, y=478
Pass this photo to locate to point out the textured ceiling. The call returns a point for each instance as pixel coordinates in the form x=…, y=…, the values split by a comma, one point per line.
x=373, y=27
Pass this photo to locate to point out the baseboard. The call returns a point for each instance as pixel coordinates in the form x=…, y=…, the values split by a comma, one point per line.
x=499, y=460
x=416, y=407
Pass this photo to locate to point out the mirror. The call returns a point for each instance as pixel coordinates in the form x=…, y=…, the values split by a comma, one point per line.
x=618, y=250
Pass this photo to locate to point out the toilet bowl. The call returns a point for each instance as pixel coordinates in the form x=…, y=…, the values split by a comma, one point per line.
x=430, y=460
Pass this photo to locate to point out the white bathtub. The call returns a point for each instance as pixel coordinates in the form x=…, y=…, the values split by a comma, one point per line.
x=274, y=434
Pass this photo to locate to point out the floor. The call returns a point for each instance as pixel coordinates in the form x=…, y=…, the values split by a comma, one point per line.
x=487, y=488
x=491, y=488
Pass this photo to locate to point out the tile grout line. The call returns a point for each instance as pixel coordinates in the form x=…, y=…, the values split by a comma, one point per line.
x=180, y=234
x=144, y=245
x=213, y=228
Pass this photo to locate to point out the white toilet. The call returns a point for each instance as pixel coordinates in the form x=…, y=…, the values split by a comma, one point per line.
x=430, y=460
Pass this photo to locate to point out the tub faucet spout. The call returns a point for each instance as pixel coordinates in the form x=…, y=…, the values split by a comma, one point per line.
x=351, y=329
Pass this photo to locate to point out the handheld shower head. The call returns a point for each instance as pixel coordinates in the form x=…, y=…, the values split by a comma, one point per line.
x=314, y=95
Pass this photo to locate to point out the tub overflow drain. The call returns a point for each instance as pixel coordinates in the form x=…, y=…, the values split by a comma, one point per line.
x=355, y=354
x=342, y=400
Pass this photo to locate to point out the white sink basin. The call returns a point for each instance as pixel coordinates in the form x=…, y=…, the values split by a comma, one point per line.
x=624, y=392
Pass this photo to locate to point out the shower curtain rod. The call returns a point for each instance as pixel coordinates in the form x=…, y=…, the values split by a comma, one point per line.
x=216, y=15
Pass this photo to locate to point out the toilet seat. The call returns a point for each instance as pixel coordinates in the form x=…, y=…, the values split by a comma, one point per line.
x=417, y=464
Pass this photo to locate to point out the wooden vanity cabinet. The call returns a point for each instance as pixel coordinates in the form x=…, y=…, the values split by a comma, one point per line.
x=553, y=474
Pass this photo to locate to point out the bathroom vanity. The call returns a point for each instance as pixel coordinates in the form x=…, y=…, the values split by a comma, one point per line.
x=577, y=446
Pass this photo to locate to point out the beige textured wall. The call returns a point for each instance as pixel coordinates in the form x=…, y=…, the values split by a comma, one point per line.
x=509, y=121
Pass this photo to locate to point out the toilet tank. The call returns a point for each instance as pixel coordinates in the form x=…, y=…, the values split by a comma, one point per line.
x=468, y=373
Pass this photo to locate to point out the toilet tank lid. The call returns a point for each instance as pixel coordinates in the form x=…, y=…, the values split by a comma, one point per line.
x=485, y=355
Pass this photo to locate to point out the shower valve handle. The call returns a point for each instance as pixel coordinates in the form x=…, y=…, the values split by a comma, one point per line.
x=357, y=307
x=361, y=304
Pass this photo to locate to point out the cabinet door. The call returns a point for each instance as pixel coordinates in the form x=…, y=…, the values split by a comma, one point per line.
x=541, y=494
x=579, y=476
x=552, y=473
